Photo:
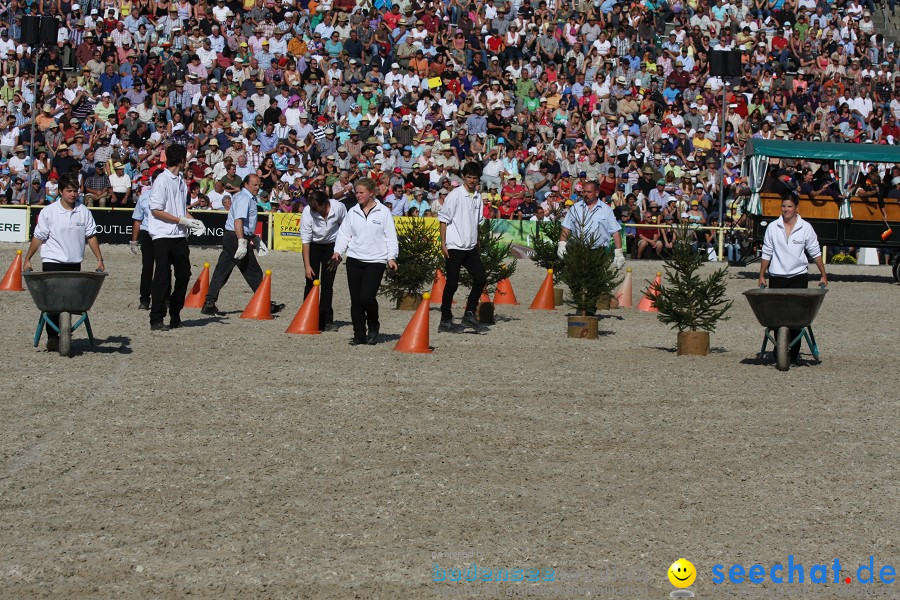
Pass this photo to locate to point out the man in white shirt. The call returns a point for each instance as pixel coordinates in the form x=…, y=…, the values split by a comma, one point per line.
x=459, y=219
x=62, y=230
x=169, y=224
x=786, y=245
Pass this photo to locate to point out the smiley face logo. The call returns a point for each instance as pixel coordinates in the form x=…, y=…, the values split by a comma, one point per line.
x=682, y=573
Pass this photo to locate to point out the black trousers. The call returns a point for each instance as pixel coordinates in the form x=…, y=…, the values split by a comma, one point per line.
x=319, y=255
x=169, y=254
x=795, y=282
x=248, y=266
x=54, y=317
x=364, y=279
x=471, y=260
x=147, y=259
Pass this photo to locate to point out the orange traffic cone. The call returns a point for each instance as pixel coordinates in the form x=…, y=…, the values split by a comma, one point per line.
x=623, y=294
x=647, y=301
x=437, y=288
x=484, y=296
x=505, y=293
x=415, y=337
x=307, y=318
x=197, y=294
x=12, y=281
x=544, y=298
x=260, y=306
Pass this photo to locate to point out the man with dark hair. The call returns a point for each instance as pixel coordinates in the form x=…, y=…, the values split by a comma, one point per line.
x=169, y=226
x=236, y=251
x=460, y=217
x=62, y=230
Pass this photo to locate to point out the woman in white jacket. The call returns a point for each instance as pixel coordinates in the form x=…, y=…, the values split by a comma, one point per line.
x=368, y=236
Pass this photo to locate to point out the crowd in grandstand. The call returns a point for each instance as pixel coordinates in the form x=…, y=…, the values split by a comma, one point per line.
x=545, y=95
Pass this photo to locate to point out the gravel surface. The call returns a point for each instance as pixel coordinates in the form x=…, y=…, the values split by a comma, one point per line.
x=229, y=459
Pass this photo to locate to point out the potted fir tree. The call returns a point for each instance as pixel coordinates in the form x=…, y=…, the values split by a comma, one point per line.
x=590, y=274
x=688, y=302
x=418, y=258
x=544, y=252
x=494, y=255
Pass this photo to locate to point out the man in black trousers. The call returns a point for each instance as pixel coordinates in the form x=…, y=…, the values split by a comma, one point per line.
x=460, y=217
x=236, y=252
x=169, y=225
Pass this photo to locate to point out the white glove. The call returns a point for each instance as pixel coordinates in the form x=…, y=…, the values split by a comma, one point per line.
x=195, y=225
x=619, y=258
x=133, y=246
x=241, y=251
x=263, y=250
x=561, y=249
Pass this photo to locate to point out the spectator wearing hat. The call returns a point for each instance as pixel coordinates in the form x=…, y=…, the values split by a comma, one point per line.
x=120, y=185
x=18, y=162
x=97, y=186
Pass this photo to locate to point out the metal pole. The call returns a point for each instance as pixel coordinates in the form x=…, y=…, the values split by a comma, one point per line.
x=34, y=113
x=722, y=169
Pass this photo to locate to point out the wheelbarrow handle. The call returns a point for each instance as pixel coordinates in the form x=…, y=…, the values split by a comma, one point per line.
x=28, y=270
x=762, y=286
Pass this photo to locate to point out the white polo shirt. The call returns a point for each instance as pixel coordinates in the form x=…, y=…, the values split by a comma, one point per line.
x=317, y=230
x=369, y=238
x=64, y=232
x=120, y=184
x=788, y=255
x=169, y=193
x=463, y=213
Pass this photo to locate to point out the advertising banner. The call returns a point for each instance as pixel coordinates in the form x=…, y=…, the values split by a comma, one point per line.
x=114, y=225
x=286, y=229
x=286, y=232
x=13, y=225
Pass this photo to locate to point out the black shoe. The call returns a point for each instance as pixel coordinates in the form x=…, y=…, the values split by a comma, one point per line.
x=357, y=341
x=330, y=327
x=158, y=326
x=470, y=321
x=174, y=323
x=144, y=306
x=450, y=327
x=372, y=338
x=212, y=310
x=52, y=344
x=276, y=308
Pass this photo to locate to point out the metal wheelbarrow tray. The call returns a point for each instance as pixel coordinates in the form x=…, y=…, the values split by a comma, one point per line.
x=64, y=292
x=780, y=310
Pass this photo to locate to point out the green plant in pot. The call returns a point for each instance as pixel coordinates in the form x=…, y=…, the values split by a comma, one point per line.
x=498, y=265
x=544, y=251
x=688, y=302
x=418, y=258
x=590, y=274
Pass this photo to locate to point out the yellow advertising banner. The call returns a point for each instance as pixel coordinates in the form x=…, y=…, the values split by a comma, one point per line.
x=286, y=232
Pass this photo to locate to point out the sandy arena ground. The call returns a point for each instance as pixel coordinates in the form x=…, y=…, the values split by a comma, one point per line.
x=231, y=460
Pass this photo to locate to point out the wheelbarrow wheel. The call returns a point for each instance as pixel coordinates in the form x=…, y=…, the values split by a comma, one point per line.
x=782, y=349
x=65, y=334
